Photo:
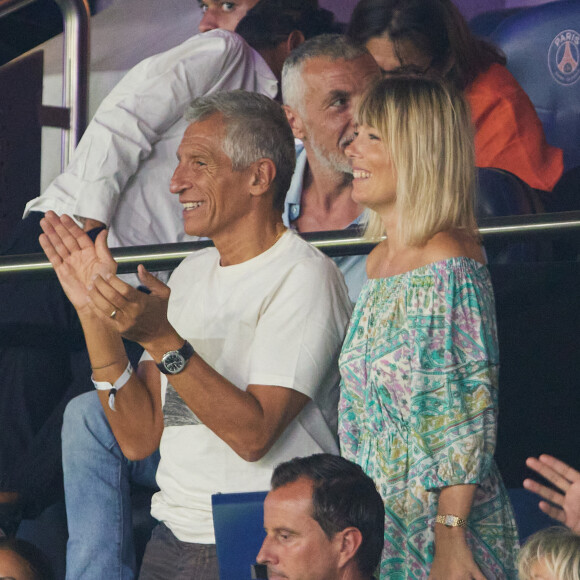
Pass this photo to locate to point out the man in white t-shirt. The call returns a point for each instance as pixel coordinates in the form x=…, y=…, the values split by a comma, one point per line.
x=117, y=177
x=247, y=343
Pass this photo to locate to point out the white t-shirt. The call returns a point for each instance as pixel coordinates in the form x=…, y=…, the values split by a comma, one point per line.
x=120, y=172
x=277, y=319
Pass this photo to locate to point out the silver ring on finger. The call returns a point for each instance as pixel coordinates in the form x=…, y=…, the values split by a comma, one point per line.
x=113, y=314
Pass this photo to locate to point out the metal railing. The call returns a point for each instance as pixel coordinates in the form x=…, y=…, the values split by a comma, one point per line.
x=334, y=243
x=76, y=17
x=75, y=79
x=8, y=6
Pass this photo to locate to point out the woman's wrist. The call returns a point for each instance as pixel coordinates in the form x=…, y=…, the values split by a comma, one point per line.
x=445, y=536
x=445, y=530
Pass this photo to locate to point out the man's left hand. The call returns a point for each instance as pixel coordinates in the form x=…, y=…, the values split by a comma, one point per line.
x=137, y=316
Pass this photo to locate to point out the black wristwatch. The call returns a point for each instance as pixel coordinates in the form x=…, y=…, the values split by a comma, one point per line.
x=174, y=361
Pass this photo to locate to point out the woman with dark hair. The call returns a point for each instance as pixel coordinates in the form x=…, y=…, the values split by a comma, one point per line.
x=432, y=36
x=419, y=364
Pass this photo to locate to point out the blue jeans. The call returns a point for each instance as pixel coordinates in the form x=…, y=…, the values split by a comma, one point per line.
x=97, y=480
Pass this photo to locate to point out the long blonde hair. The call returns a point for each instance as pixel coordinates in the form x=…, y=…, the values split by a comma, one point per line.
x=425, y=125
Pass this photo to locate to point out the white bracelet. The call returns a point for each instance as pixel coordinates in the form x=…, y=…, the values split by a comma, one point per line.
x=113, y=388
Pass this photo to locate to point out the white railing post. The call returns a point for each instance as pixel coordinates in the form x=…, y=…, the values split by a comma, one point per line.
x=75, y=82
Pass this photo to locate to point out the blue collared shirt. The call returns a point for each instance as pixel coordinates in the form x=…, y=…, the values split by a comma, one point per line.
x=353, y=268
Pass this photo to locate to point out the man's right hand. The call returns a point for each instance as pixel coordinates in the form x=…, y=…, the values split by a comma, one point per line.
x=74, y=257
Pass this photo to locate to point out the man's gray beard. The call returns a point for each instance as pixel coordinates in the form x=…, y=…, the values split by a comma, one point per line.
x=334, y=161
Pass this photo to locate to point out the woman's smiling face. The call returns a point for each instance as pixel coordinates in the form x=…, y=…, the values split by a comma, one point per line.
x=375, y=177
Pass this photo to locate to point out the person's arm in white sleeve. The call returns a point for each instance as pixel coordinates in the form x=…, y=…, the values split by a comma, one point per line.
x=150, y=99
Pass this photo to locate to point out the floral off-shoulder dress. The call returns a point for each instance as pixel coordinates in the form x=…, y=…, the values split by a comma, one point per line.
x=418, y=410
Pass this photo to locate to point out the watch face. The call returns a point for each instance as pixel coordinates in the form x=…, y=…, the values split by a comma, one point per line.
x=173, y=362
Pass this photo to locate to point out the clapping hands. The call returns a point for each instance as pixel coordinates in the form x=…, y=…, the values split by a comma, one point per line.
x=76, y=260
x=86, y=271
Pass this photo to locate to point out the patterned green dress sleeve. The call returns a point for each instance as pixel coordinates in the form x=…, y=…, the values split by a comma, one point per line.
x=454, y=376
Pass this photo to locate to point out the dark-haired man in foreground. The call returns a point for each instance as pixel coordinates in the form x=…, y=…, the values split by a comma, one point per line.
x=324, y=520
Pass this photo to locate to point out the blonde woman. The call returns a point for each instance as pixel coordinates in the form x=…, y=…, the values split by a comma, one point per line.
x=419, y=364
x=551, y=554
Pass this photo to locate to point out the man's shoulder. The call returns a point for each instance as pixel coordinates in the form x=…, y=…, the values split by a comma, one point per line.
x=194, y=266
x=218, y=42
x=297, y=249
x=217, y=37
x=198, y=257
x=302, y=256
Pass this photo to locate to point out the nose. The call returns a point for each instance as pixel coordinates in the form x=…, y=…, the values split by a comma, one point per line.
x=210, y=20
x=179, y=182
x=351, y=150
x=266, y=554
x=349, y=130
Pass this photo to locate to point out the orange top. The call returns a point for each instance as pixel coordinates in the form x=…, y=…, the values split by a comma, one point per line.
x=508, y=132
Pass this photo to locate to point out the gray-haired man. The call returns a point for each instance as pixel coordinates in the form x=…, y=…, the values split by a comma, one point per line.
x=321, y=81
x=247, y=350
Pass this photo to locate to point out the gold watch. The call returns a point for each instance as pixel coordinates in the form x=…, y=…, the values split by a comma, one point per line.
x=451, y=521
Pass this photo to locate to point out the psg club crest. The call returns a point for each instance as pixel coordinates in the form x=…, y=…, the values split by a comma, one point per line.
x=564, y=57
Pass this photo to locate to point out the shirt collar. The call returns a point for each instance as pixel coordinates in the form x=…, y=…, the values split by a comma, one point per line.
x=294, y=195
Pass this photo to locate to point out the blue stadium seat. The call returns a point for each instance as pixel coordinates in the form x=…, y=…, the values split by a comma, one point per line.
x=542, y=45
x=499, y=194
x=529, y=518
x=485, y=23
x=238, y=520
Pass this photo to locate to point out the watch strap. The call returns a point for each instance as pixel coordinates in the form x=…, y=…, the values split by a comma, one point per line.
x=186, y=351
